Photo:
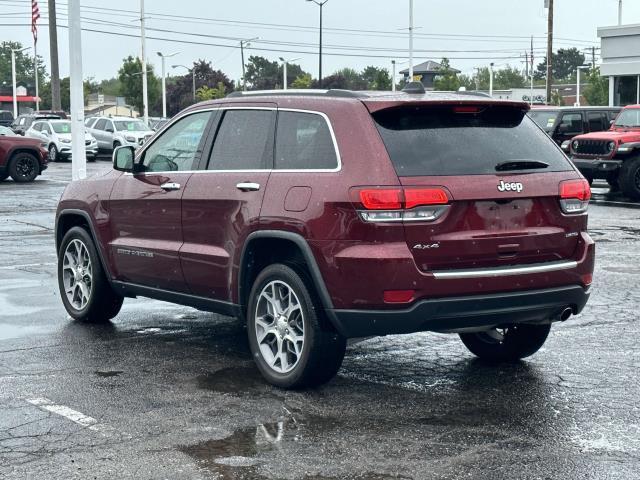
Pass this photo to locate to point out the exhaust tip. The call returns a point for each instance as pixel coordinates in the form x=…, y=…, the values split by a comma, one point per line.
x=566, y=313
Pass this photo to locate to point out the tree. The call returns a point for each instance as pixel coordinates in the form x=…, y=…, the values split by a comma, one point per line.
x=376, y=78
x=65, y=93
x=263, y=74
x=508, y=78
x=130, y=76
x=565, y=64
x=303, y=81
x=206, y=93
x=24, y=66
x=448, y=79
x=597, y=92
x=180, y=88
x=353, y=79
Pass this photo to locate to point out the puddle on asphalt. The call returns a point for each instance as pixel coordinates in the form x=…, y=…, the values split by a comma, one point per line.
x=9, y=331
x=233, y=380
x=108, y=373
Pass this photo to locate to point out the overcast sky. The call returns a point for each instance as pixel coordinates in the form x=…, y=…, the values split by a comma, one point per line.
x=462, y=27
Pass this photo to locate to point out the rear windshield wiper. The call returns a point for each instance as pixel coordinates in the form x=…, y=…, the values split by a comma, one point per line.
x=520, y=165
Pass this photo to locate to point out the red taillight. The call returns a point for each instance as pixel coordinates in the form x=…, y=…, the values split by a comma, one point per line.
x=466, y=109
x=414, y=197
x=578, y=189
x=574, y=196
x=398, y=296
x=381, y=199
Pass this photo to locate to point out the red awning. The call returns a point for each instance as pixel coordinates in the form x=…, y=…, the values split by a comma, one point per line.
x=20, y=98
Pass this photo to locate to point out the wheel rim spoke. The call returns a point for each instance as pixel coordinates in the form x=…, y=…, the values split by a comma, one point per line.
x=279, y=326
x=77, y=274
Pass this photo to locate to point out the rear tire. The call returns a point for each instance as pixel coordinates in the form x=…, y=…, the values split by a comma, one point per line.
x=84, y=288
x=24, y=167
x=507, y=344
x=630, y=178
x=289, y=342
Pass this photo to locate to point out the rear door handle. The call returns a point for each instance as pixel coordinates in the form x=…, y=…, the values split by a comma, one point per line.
x=248, y=186
x=170, y=186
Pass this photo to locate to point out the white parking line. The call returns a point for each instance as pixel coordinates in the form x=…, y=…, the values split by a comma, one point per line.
x=26, y=265
x=68, y=413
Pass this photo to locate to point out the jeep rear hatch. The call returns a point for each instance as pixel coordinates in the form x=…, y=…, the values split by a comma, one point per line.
x=498, y=177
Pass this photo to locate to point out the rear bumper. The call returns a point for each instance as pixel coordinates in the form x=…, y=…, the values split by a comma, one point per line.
x=597, y=168
x=466, y=313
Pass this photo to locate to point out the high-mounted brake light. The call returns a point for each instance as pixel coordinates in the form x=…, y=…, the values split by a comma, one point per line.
x=574, y=196
x=402, y=204
x=466, y=109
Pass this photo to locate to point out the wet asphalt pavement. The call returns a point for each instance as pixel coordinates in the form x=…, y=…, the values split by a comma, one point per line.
x=169, y=392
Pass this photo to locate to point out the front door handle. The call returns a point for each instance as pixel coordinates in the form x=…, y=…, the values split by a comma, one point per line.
x=170, y=186
x=248, y=186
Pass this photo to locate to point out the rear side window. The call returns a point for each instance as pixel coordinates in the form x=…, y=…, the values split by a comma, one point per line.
x=304, y=142
x=244, y=141
x=596, y=121
x=440, y=141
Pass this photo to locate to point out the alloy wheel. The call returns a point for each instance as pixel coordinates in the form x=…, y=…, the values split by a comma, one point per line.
x=77, y=273
x=53, y=153
x=25, y=167
x=279, y=324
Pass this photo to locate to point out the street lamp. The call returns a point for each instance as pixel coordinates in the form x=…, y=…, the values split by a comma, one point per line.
x=284, y=74
x=320, y=3
x=581, y=67
x=164, y=82
x=193, y=74
x=13, y=77
x=245, y=43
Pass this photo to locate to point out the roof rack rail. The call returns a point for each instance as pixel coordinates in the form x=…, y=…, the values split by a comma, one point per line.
x=333, y=92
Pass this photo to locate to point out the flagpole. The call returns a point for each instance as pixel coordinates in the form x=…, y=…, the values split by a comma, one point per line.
x=35, y=61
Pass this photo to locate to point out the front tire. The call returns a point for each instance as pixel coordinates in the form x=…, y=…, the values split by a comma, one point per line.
x=507, y=344
x=24, y=167
x=84, y=288
x=53, y=153
x=289, y=342
x=629, y=178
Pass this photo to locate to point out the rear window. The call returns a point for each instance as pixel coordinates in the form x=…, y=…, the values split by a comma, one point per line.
x=426, y=141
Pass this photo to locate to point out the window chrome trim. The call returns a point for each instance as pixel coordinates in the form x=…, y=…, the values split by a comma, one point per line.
x=263, y=170
x=504, y=271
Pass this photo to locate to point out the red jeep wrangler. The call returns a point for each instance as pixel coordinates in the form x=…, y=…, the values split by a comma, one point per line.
x=613, y=155
x=318, y=216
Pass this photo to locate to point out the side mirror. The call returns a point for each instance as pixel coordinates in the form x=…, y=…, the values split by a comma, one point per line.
x=563, y=128
x=109, y=129
x=611, y=123
x=45, y=133
x=123, y=159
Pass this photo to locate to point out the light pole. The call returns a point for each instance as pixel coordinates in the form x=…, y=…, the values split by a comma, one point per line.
x=619, y=12
x=13, y=78
x=145, y=92
x=320, y=3
x=581, y=67
x=164, y=82
x=410, y=41
x=491, y=79
x=393, y=75
x=193, y=74
x=245, y=43
x=284, y=68
x=78, y=148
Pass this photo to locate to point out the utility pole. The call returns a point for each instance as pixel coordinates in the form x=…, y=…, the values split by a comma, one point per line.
x=393, y=76
x=13, y=78
x=56, y=104
x=145, y=93
x=593, y=57
x=549, y=51
x=164, y=81
x=410, y=41
x=78, y=149
x=531, y=77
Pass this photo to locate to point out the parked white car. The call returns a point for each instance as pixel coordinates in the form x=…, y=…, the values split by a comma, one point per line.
x=57, y=135
x=113, y=132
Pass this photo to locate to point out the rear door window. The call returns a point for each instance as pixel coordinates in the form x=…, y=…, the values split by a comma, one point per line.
x=304, y=142
x=596, y=121
x=425, y=141
x=244, y=141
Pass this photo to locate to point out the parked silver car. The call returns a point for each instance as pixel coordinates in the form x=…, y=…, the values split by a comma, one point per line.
x=112, y=132
x=57, y=135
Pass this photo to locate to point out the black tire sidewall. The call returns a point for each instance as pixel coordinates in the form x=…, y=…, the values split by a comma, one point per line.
x=13, y=167
x=627, y=178
x=311, y=324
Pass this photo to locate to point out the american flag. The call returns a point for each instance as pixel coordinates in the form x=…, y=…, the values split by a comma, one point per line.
x=35, y=16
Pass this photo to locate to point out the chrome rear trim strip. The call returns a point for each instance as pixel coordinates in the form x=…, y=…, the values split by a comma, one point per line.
x=505, y=271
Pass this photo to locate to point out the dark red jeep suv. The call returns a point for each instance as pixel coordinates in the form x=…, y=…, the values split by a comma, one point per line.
x=317, y=216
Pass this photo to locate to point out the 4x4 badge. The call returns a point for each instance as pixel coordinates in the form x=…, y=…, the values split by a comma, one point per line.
x=510, y=187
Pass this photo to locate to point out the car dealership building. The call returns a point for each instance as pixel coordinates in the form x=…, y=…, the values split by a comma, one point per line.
x=621, y=63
